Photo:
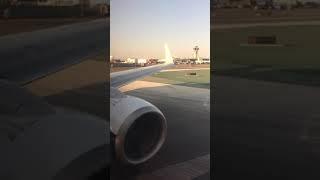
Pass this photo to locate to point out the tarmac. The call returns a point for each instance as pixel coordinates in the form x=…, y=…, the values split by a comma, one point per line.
x=265, y=130
x=186, y=152
x=248, y=15
x=264, y=24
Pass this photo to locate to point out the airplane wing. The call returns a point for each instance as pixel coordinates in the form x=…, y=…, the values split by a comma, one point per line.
x=31, y=55
x=121, y=78
x=131, y=116
x=33, y=130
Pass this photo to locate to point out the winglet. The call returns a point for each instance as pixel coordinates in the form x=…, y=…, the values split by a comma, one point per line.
x=168, y=57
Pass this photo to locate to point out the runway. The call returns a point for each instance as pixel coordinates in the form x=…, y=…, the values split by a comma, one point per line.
x=30, y=55
x=248, y=15
x=188, y=115
x=265, y=130
x=264, y=24
x=187, y=109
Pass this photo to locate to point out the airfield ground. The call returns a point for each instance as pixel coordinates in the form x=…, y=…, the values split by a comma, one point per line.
x=13, y=26
x=182, y=78
x=179, y=66
x=265, y=130
x=186, y=152
x=185, y=101
x=178, y=75
x=297, y=61
x=247, y=15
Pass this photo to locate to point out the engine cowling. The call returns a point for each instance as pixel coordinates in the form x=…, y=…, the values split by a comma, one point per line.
x=139, y=128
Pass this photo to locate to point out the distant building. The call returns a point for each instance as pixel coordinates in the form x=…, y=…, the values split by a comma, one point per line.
x=141, y=61
x=206, y=60
x=153, y=61
x=130, y=60
x=117, y=61
x=48, y=2
x=85, y=3
x=235, y=3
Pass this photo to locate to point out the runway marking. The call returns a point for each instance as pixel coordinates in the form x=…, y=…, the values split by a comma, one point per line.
x=182, y=171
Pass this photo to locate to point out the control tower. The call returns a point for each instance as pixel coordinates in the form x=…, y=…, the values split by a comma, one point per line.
x=196, y=52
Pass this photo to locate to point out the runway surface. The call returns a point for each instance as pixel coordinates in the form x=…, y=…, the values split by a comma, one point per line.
x=265, y=130
x=186, y=151
x=264, y=24
x=30, y=55
x=248, y=15
x=188, y=114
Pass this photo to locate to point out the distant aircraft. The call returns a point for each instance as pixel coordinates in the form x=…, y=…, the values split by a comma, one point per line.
x=138, y=127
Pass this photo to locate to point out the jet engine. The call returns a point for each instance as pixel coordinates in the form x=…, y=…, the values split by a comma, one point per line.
x=139, y=128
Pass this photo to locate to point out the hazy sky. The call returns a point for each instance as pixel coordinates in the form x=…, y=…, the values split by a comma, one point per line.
x=139, y=28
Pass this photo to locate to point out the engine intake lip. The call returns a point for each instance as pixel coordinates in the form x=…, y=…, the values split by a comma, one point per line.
x=135, y=121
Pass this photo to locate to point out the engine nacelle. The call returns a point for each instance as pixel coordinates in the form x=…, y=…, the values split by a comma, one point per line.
x=139, y=127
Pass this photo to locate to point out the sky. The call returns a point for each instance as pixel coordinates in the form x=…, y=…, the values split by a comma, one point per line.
x=140, y=28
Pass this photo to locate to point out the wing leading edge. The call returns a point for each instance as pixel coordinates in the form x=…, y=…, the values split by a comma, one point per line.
x=31, y=55
x=122, y=78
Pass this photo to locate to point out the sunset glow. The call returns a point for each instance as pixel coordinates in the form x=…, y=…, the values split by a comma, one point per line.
x=139, y=28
